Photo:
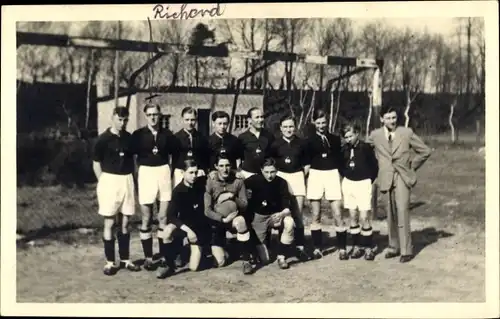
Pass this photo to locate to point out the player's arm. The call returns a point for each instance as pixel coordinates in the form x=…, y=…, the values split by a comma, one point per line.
x=423, y=151
x=207, y=199
x=241, y=199
x=285, y=198
x=369, y=139
x=305, y=158
x=96, y=166
x=97, y=158
x=372, y=162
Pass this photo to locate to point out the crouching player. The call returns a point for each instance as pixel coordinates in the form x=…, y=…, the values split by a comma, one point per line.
x=359, y=170
x=270, y=203
x=223, y=188
x=113, y=165
x=186, y=219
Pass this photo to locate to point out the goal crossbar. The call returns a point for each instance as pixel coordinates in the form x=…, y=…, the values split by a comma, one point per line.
x=221, y=50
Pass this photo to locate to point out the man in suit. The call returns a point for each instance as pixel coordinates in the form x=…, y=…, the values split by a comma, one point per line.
x=396, y=177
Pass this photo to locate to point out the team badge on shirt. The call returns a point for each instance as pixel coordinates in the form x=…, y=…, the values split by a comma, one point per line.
x=121, y=154
x=155, y=150
x=195, y=206
x=288, y=160
x=264, y=203
x=324, y=155
x=258, y=150
x=190, y=153
x=222, y=150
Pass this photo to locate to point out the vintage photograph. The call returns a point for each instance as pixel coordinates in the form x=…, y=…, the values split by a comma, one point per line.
x=251, y=160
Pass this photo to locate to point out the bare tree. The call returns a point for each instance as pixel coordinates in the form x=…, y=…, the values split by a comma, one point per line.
x=289, y=33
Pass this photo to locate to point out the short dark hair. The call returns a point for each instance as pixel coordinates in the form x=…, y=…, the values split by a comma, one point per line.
x=287, y=117
x=190, y=110
x=219, y=115
x=249, y=113
x=318, y=113
x=121, y=111
x=351, y=126
x=188, y=163
x=268, y=162
x=151, y=105
x=387, y=109
x=221, y=156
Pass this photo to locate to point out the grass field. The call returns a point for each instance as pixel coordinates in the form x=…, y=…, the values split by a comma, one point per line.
x=448, y=208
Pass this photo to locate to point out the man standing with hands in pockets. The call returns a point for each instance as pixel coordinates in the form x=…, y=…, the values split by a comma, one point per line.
x=396, y=176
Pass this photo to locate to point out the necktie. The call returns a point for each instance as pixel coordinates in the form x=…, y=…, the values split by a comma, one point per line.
x=389, y=139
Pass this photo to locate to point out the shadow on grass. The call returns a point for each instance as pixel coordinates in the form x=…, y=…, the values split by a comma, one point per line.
x=420, y=239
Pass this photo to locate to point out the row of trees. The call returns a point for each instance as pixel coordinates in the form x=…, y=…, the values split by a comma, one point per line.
x=415, y=61
x=420, y=60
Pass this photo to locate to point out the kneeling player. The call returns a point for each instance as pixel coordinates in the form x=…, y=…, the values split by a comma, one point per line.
x=224, y=189
x=359, y=170
x=186, y=219
x=113, y=165
x=270, y=202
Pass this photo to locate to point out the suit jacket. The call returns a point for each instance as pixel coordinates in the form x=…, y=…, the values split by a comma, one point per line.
x=399, y=158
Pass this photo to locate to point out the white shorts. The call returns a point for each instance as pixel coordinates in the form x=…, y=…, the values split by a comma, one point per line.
x=154, y=182
x=357, y=194
x=324, y=182
x=246, y=174
x=296, y=182
x=178, y=176
x=115, y=194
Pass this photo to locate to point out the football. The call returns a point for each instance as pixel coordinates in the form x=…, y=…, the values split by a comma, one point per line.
x=225, y=208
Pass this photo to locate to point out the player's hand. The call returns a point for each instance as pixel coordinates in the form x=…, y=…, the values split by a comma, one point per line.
x=286, y=212
x=191, y=237
x=229, y=218
x=239, y=175
x=276, y=219
x=201, y=173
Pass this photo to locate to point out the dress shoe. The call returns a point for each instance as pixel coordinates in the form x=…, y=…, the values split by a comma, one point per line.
x=405, y=258
x=391, y=254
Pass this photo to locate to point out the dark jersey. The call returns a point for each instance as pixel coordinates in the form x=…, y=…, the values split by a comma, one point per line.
x=254, y=149
x=290, y=157
x=228, y=145
x=186, y=206
x=359, y=162
x=325, y=153
x=153, y=149
x=267, y=198
x=114, y=153
x=195, y=148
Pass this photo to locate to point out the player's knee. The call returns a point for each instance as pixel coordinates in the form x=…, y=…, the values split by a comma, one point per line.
x=240, y=224
x=109, y=222
x=288, y=223
x=167, y=233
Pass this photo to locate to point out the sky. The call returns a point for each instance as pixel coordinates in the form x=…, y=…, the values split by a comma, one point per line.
x=443, y=26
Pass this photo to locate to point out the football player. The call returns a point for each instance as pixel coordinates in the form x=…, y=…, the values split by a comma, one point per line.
x=186, y=219
x=190, y=144
x=325, y=152
x=221, y=142
x=222, y=187
x=113, y=165
x=153, y=146
x=360, y=169
x=270, y=204
x=255, y=143
x=292, y=162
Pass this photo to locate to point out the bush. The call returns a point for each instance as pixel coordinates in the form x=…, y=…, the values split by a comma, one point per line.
x=48, y=159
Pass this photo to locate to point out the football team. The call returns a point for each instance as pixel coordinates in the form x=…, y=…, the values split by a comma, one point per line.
x=225, y=191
